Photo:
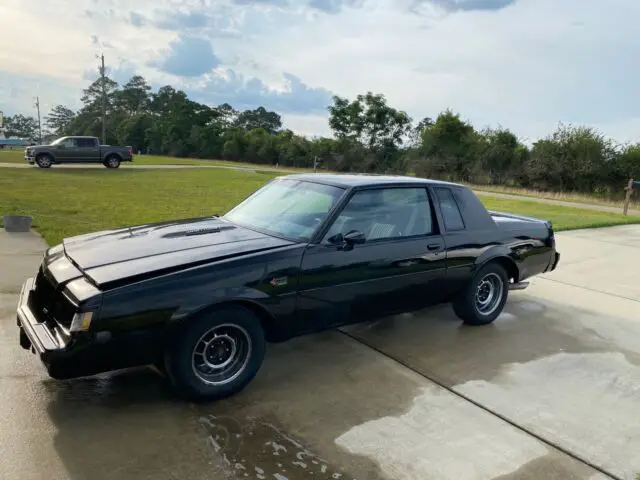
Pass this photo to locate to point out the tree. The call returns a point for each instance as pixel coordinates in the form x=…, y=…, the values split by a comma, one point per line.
x=21, y=126
x=369, y=120
x=418, y=130
x=499, y=156
x=372, y=123
x=166, y=100
x=369, y=136
x=450, y=147
x=59, y=119
x=92, y=95
x=133, y=131
x=134, y=97
x=270, y=122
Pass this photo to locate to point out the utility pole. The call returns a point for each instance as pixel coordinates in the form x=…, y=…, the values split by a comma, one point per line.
x=104, y=99
x=39, y=123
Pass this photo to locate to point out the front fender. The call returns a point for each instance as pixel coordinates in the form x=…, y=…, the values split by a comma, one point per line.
x=44, y=152
x=256, y=299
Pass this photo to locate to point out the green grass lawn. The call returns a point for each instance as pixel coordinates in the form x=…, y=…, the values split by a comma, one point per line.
x=563, y=218
x=69, y=202
x=16, y=156
x=12, y=156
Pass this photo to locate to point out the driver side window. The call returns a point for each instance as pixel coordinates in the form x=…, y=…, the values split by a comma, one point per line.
x=384, y=214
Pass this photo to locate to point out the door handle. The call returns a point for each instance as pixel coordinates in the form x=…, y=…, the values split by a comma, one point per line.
x=434, y=246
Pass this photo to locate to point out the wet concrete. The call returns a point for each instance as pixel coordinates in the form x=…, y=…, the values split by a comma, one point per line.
x=562, y=360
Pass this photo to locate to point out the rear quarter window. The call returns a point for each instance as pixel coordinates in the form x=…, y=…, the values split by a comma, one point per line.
x=474, y=213
x=450, y=211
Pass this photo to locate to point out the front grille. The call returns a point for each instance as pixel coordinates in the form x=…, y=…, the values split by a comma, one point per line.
x=51, y=302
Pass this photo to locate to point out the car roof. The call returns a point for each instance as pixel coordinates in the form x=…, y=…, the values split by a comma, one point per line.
x=364, y=180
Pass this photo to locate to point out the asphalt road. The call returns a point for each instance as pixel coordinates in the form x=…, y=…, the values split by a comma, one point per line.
x=549, y=389
x=600, y=208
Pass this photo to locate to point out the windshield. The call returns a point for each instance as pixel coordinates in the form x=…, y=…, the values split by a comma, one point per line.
x=287, y=208
x=58, y=141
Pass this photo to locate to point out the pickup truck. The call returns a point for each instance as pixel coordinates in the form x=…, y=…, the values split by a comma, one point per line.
x=201, y=298
x=77, y=149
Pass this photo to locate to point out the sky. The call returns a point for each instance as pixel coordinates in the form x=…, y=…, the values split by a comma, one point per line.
x=527, y=65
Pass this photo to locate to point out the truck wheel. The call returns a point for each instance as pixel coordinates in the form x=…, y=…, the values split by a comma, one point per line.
x=217, y=354
x=112, y=162
x=482, y=301
x=44, y=160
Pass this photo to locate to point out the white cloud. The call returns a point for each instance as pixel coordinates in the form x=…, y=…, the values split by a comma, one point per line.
x=527, y=66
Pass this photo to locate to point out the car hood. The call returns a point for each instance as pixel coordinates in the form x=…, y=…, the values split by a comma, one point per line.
x=114, y=255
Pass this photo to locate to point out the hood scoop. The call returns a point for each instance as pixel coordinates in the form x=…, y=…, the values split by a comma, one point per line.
x=198, y=231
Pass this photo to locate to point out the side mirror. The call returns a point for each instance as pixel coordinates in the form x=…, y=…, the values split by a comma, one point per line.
x=348, y=240
x=354, y=237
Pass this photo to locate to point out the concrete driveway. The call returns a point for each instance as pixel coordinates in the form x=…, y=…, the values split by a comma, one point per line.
x=551, y=390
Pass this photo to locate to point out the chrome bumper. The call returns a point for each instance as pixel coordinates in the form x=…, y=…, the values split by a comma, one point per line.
x=35, y=334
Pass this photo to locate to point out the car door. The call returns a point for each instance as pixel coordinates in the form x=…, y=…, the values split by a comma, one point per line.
x=396, y=269
x=65, y=151
x=87, y=150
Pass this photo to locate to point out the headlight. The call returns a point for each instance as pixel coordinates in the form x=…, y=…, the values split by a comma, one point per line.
x=81, y=322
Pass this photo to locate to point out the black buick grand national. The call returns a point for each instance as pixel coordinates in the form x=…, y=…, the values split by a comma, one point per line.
x=201, y=298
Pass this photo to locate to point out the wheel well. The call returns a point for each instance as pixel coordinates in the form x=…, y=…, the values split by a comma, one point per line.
x=266, y=320
x=111, y=155
x=509, y=265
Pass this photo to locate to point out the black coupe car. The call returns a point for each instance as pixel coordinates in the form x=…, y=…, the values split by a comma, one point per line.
x=201, y=298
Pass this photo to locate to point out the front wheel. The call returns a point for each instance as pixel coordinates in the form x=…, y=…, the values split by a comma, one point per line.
x=44, y=161
x=483, y=300
x=217, y=354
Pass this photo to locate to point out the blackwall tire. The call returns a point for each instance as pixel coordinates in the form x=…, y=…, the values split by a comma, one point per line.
x=112, y=162
x=483, y=300
x=216, y=355
x=44, y=161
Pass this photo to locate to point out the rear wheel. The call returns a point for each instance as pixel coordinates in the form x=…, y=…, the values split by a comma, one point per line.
x=44, y=160
x=483, y=300
x=217, y=354
x=112, y=162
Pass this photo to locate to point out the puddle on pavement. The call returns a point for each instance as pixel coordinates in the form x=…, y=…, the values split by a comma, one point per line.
x=252, y=448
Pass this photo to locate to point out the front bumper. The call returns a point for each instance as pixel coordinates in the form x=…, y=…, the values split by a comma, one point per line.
x=29, y=159
x=75, y=355
x=35, y=334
